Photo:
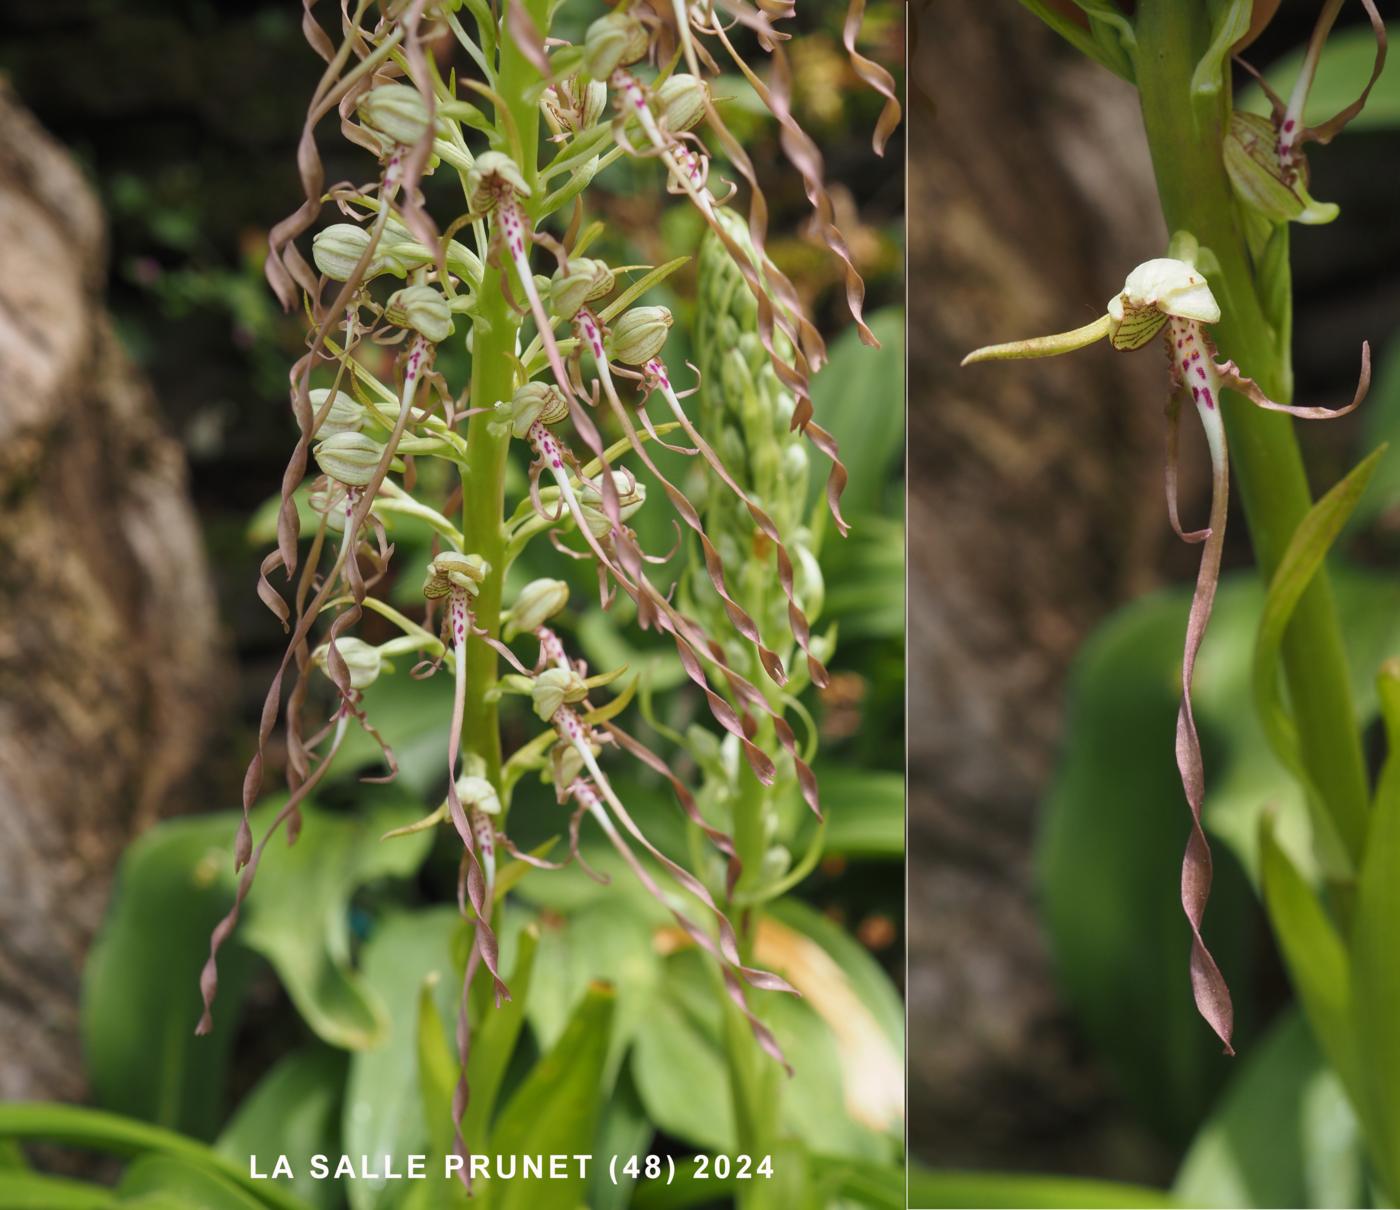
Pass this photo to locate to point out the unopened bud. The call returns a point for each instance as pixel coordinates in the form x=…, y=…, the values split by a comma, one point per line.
x=681, y=101
x=536, y=603
x=396, y=111
x=363, y=661
x=349, y=458
x=347, y=414
x=555, y=687
x=611, y=42
x=450, y=572
x=423, y=309
x=534, y=401
x=338, y=249
x=631, y=495
x=477, y=792
x=639, y=334
x=492, y=177
x=584, y=281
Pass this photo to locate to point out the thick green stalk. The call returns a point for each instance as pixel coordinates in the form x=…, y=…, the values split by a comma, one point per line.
x=495, y=332
x=1185, y=138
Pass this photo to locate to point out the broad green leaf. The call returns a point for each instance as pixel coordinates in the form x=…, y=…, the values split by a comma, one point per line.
x=297, y=915
x=995, y=1190
x=1344, y=67
x=141, y=982
x=556, y=1109
x=625, y=1130
x=1316, y=959
x=1304, y=556
x=294, y=1111
x=498, y=1036
x=1375, y=952
x=96, y=1130
x=33, y=1191
x=607, y=941
x=383, y=1113
x=859, y=397
x=864, y=811
x=167, y=1181
x=1283, y=1133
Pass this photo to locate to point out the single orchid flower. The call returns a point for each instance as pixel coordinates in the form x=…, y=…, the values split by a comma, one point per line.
x=1171, y=297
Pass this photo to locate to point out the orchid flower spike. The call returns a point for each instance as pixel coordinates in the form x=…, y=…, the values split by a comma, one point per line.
x=1171, y=296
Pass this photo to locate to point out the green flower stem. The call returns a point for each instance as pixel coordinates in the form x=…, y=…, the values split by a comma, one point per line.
x=495, y=332
x=1185, y=137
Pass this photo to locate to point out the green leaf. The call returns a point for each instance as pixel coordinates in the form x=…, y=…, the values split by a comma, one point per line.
x=994, y=1190
x=384, y=1106
x=1314, y=954
x=1333, y=836
x=1345, y=65
x=96, y=1130
x=1375, y=954
x=865, y=580
x=556, y=1110
x=32, y=1191
x=1283, y=1133
x=140, y=995
x=168, y=1181
x=297, y=915
x=294, y=1111
x=1082, y=40
x=497, y=1038
x=859, y=398
x=625, y=1130
x=864, y=811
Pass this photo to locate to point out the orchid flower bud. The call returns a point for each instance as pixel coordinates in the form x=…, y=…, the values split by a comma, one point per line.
x=347, y=414
x=536, y=401
x=1153, y=291
x=555, y=687
x=639, y=334
x=536, y=603
x=584, y=281
x=349, y=458
x=1263, y=181
x=423, y=309
x=477, y=792
x=492, y=177
x=611, y=42
x=337, y=250
x=396, y=111
x=631, y=495
x=361, y=659
x=450, y=572
x=681, y=101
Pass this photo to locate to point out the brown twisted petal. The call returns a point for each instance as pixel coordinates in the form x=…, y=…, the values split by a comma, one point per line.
x=1207, y=983
x=1174, y=407
x=415, y=216
x=1231, y=377
x=1329, y=129
x=874, y=75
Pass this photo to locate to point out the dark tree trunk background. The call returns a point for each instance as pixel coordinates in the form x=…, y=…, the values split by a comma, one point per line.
x=110, y=666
